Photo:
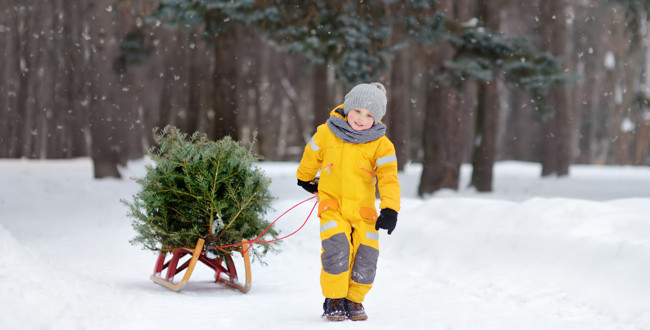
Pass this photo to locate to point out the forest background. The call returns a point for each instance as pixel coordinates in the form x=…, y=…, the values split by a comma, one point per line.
x=558, y=82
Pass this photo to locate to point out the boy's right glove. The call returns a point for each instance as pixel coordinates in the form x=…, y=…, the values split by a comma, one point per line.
x=387, y=220
x=310, y=186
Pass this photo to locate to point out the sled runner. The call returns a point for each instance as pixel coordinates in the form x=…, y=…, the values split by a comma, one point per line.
x=224, y=273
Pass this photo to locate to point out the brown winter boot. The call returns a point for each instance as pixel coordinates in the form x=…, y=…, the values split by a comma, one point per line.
x=355, y=311
x=334, y=309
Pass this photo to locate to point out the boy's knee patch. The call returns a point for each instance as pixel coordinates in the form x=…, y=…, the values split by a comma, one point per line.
x=365, y=265
x=336, y=254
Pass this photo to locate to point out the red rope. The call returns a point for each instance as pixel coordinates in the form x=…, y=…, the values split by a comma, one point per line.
x=256, y=239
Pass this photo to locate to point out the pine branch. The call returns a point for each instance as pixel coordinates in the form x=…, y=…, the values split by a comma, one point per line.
x=239, y=212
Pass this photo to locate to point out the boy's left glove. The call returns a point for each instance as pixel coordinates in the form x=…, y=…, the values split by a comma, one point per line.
x=387, y=220
x=310, y=186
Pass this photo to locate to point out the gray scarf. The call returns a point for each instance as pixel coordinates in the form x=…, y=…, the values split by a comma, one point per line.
x=343, y=131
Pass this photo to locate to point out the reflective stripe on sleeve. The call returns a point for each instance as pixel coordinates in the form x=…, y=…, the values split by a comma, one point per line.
x=386, y=159
x=313, y=144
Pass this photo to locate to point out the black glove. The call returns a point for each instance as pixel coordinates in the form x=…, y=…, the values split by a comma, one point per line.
x=387, y=220
x=311, y=187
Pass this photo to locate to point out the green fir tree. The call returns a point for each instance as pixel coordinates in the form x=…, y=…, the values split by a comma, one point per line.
x=198, y=188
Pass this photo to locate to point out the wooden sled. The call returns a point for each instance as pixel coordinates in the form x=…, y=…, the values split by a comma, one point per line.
x=226, y=274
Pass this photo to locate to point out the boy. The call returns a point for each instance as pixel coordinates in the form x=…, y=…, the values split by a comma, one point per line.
x=353, y=155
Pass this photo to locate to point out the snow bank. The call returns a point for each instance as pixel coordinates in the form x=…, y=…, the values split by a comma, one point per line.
x=38, y=293
x=556, y=252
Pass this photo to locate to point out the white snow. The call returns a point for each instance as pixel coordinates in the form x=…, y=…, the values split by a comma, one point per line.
x=537, y=253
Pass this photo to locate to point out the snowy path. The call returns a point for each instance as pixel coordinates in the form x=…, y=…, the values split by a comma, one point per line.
x=506, y=260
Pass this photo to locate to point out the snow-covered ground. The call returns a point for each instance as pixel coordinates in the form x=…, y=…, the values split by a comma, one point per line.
x=552, y=253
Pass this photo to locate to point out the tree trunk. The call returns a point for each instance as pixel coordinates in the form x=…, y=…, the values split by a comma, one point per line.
x=442, y=140
x=24, y=114
x=193, y=68
x=291, y=74
x=103, y=119
x=272, y=114
x=441, y=167
x=248, y=86
x=6, y=109
x=78, y=114
x=642, y=140
x=398, y=116
x=588, y=95
x=556, y=138
x=320, y=96
x=487, y=113
x=225, y=84
x=631, y=72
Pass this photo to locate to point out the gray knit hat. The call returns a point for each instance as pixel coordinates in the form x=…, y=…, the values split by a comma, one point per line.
x=368, y=96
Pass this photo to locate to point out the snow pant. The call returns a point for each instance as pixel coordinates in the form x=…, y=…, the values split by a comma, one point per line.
x=350, y=249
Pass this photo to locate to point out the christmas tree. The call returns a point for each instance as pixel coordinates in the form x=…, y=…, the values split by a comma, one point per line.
x=198, y=188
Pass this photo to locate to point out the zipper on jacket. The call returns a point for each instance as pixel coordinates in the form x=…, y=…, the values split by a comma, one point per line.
x=372, y=174
x=327, y=167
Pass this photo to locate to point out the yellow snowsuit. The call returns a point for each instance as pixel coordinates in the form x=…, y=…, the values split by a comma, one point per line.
x=346, y=189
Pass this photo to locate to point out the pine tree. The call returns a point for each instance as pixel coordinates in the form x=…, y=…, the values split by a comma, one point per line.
x=481, y=54
x=349, y=36
x=198, y=188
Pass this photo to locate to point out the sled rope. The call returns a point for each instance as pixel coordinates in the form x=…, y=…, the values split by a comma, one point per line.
x=256, y=239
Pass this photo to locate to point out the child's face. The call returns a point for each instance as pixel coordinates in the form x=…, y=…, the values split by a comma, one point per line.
x=360, y=119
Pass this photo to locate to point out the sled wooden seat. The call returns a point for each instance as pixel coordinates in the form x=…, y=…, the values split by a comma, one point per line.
x=224, y=273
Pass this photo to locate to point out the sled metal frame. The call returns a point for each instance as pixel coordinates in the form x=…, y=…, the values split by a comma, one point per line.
x=226, y=274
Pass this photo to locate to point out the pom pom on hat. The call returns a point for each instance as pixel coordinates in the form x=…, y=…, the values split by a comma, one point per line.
x=367, y=96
